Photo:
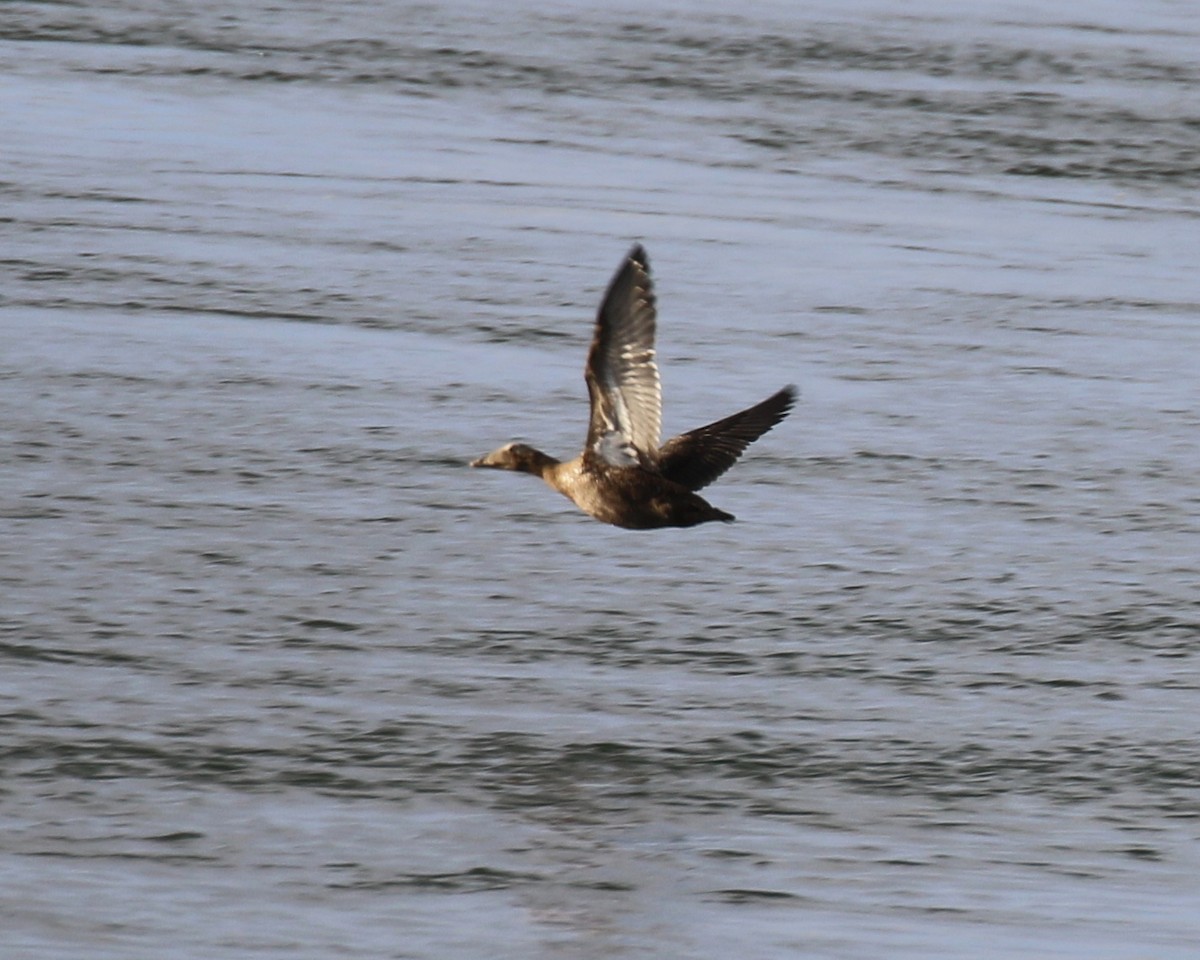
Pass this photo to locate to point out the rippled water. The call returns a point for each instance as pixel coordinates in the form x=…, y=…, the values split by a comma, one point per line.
x=279, y=676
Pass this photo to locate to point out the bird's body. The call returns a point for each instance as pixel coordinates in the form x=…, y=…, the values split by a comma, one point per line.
x=623, y=476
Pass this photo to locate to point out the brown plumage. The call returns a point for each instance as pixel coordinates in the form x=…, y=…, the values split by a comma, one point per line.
x=623, y=476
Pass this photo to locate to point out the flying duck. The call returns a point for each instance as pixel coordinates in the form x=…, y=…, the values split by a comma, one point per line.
x=623, y=476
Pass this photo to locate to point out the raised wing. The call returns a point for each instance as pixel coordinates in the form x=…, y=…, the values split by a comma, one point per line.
x=696, y=458
x=621, y=374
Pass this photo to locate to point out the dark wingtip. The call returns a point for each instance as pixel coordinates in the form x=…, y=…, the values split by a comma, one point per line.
x=786, y=399
x=637, y=254
x=780, y=403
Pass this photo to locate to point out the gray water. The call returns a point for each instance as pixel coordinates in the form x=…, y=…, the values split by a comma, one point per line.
x=280, y=677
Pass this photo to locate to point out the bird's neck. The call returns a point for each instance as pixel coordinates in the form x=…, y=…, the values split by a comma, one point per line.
x=538, y=463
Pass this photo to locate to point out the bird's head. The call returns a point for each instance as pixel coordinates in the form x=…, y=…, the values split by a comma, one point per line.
x=515, y=456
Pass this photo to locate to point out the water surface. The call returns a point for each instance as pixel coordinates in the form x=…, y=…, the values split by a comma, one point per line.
x=281, y=677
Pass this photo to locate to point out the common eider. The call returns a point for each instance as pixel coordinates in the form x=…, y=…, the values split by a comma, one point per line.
x=623, y=476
